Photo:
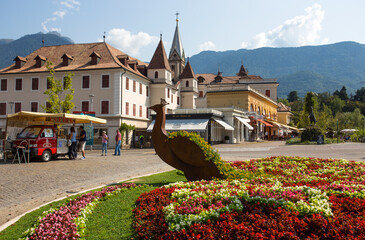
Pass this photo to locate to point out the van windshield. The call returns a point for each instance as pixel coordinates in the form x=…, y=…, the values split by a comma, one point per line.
x=30, y=132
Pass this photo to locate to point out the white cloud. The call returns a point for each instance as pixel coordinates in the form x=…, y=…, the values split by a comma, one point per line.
x=70, y=4
x=298, y=31
x=60, y=14
x=65, y=7
x=128, y=42
x=207, y=46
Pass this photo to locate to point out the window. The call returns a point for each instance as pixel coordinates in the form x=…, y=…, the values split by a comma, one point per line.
x=4, y=85
x=147, y=91
x=104, y=107
x=2, y=108
x=156, y=74
x=48, y=105
x=64, y=82
x=105, y=81
x=187, y=83
x=35, y=84
x=127, y=83
x=140, y=88
x=47, y=133
x=134, y=109
x=267, y=93
x=127, y=108
x=85, y=106
x=85, y=81
x=18, y=84
x=146, y=112
x=200, y=93
x=140, y=111
x=48, y=84
x=172, y=98
x=134, y=86
x=18, y=107
x=178, y=100
x=34, y=107
x=168, y=92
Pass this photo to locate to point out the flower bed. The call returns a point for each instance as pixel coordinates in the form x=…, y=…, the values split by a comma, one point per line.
x=69, y=221
x=303, y=198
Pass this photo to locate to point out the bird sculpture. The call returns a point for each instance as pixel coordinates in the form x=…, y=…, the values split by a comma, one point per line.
x=180, y=152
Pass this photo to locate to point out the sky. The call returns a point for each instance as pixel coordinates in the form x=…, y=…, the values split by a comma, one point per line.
x=134, y=27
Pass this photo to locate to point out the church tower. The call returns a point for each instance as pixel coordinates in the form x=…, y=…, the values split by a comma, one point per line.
x=177, y=55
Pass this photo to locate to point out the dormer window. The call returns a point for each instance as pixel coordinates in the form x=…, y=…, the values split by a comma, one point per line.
x=187, y=84
x=201, y=79
x=132, y=64
x=40, y=60
x=123, y=59
x=95, y=58
x=19, y=62
x=67, y=59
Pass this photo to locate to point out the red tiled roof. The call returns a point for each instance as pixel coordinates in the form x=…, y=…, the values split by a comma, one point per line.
x=159, y=59
x=188, y=72
x=283, y=108
x=81, y=58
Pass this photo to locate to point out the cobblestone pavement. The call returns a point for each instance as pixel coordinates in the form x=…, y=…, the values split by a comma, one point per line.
x=26, y=186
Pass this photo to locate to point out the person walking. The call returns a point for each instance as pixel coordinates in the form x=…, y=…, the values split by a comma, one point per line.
x=141, y=140
x=72, y=149
x=104, y=141
x=118, y=142
x=82, y=142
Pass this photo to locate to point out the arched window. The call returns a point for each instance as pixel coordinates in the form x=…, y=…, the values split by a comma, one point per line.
x=258, y=110
x=156, y=74
x=252, y=108
x=187, y=83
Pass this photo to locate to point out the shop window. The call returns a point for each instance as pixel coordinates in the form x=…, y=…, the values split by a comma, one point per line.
x=86, y=82
x=18, y=107
x=85, y=106
x=4, y=85
x=105, y=81
x=35, y=84
x=2, y=108
x=18, y=84
x=104, y=107
x=34, y=107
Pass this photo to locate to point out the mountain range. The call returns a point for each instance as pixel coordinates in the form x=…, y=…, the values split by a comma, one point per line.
x=27, y=44
x=323, y=68
x=311, y=68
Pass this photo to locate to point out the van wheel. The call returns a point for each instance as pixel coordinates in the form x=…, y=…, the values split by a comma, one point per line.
x=46, y=156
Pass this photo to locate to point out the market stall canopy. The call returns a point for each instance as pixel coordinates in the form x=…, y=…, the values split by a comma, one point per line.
x=224, y=124
x=23, y=117
x=182, y=124
x=245, y=122
x=348, y=130
x=265, y=123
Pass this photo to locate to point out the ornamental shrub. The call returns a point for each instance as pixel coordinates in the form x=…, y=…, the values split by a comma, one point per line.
x=310, y=134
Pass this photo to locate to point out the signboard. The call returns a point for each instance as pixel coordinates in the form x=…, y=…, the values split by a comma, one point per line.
x=89, y=129
x=60, y=120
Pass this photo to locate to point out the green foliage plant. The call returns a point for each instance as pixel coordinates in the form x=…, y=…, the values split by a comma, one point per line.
x=310, y=134
x=60, y=92
x=124, y=127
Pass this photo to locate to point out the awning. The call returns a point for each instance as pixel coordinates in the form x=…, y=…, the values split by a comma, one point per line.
x=224, y=124
x=265, y=123
x=245, y=122
x=61, y=118
x=182, y=124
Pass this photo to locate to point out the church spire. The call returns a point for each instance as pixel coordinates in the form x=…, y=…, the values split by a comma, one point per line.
x=176, y=43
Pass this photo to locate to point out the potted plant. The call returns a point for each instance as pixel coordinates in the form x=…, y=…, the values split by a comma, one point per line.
x=226, y=139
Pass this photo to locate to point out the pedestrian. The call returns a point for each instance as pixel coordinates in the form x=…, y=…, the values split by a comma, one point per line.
x=104, y=141
x=118, y=142
x=141, y=140
x=72, y=149
x=82, y=142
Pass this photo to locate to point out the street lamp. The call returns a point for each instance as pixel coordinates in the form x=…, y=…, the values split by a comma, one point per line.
x=11, y=106
x=337, y=130
x=91, y=96
x=363, y=123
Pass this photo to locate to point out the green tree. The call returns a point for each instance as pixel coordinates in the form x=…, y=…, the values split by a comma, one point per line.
x=360, y=95
x=336, y=104
x=60, y=92
x=284, y=101
x=293, y=96
x=342, y=94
